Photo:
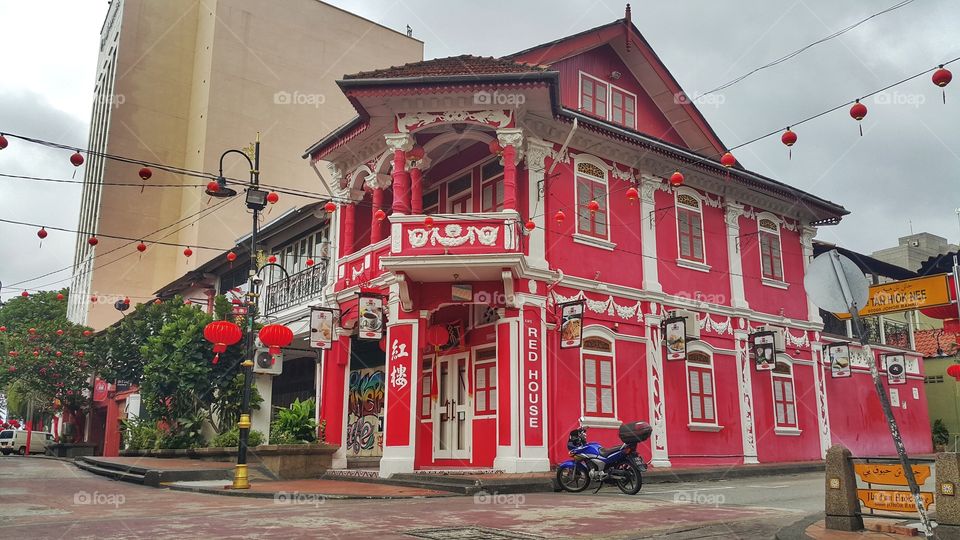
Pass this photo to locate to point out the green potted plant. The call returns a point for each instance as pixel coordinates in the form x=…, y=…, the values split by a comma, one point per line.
x=941, y=435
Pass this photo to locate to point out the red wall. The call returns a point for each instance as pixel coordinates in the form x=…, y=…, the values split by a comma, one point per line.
x=772, y=446
x=791, y=302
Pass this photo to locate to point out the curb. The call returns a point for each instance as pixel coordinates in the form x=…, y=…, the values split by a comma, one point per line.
x=797, y=529
x=273, y=495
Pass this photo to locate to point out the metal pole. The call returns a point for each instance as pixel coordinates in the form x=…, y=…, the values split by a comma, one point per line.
x=882, y=394
x=241, y=479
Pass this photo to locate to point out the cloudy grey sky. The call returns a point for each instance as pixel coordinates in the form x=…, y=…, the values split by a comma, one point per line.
x=904, y=170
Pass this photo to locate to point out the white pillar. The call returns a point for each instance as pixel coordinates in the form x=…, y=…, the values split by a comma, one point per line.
x=745, y=386
x=806, y=242
x=401, y=390
x=508, y=357
x=658, y=419
x=732, y=214
x=648, y=232
x=537, y=152
x=823, y=412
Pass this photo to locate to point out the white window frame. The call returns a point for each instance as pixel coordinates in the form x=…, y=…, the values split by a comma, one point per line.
x=610, y=106
x=702, y=426
x=771, y=282
x=585, y=238
x=608, y=112
x=681, y=261
x=608, y=336
x=777, y=427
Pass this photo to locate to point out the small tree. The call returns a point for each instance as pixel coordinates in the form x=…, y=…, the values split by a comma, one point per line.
x=941, y=435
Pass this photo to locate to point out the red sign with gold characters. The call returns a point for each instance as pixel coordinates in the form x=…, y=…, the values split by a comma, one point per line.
x=532, y=370
x=399, y=381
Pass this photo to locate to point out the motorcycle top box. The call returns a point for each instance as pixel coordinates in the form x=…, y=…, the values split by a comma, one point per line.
x=634, y=432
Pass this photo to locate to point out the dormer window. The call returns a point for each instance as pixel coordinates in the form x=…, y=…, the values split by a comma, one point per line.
x=593, y=96
x=606, y=101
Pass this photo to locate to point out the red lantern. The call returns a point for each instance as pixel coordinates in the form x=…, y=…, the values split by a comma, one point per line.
x=272, y=259
x=222, y=334
x=60, y=296
x=231, y=256
x=428, y=222
x=3, y=142
x=145, y=173
x=141, y=247
x=379, y=215
x=93, y=241
x=438, y=335
x=276, y=336
x=310, y=262
x=42, y=233
x=213, y=186
x=76, y=159
x=632, y=194
x=87, y=333
x=495, y=147
x=593, y=207
x=727, y=160
x=416, y=153
x=559, y=217
x=676, y=179
x=941, y=78
x=858, y=111
x=273, y=197
x=330, y=207
x=24, y=294
x=954, y=371
x=530, y=225
x=187, y=252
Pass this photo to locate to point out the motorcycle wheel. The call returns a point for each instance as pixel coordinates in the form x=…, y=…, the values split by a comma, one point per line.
x=632, y=481
x=573, y=478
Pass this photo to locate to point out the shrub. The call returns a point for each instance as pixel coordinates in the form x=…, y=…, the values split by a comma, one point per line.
x=941, y=435
x=231, y=438
x=140, y=434
x=295, y=424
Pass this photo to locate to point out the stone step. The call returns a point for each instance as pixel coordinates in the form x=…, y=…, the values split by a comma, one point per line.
x=111, y=473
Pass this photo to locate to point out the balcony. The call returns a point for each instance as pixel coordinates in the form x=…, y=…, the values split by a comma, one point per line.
x=300, y=289
x=362, y=266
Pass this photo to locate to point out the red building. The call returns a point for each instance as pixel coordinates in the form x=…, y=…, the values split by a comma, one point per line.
x=477, y=196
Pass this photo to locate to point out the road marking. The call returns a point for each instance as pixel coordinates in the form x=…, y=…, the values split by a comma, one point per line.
x=782, y=486
x=690, y=489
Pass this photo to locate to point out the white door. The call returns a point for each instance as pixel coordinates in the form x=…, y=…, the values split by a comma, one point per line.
x=453, y=410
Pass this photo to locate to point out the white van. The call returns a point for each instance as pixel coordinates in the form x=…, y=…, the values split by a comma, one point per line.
x=16, y=441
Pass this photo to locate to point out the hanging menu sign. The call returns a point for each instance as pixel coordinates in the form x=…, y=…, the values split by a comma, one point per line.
x=321, y=328
x=370, y=318
x=896, y=369
x=675, y=331
x=571, y=324
x=839, y=356
x=764, y=351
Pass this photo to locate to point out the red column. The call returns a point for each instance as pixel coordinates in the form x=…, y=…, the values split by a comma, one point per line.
x=349, y=215
x=509, y=177
x=376, y=227
x=401, y=195
x=416, y=190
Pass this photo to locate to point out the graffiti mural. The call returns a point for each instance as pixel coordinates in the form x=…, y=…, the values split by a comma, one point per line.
x=365, y=413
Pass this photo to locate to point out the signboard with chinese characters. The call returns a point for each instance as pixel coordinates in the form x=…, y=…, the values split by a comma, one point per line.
x=675, y=333
x=321, y=328
x=905, y=295
x=370, y=317
x=532, y=375
x=896, y=368
x=399, y=383
x=764, y=351
x=571, y=324
x=839, y=356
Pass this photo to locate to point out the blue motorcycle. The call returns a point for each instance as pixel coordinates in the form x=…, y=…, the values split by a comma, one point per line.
x=591, y=462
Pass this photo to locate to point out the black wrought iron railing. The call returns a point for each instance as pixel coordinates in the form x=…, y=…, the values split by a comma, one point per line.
x=301, y=287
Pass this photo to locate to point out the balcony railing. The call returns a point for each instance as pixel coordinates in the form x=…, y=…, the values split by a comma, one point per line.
x=301, y=288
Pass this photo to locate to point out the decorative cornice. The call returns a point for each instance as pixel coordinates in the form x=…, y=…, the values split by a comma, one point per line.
x=512, y=137
x=399, y=141
x=732, y=213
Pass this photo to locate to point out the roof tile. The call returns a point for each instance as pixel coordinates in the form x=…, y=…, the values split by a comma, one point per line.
x=454, y=65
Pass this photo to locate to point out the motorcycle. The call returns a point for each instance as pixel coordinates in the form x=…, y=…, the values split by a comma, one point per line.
x=590, y=462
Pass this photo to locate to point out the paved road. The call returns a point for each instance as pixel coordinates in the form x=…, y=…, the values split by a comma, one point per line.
x=46, y=498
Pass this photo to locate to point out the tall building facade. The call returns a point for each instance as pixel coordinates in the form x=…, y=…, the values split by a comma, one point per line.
x=912, y=251
x=178, y=83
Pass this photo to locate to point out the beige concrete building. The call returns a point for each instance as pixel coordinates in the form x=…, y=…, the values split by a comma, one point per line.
x=178, y=83
x=911, y=251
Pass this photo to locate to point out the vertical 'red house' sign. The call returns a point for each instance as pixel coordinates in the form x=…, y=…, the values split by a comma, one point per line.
x=531, y=367
x=399, y=380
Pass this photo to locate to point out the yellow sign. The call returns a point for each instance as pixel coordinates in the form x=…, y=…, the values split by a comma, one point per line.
x=890, y=500
x=890, y=474
x=905, y=295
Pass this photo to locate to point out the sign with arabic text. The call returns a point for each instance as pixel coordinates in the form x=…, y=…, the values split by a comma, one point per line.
x=889, y=474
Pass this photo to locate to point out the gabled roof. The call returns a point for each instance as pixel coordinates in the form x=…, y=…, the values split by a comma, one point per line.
x=465, y=64
x=933, y=343
x=865, y=262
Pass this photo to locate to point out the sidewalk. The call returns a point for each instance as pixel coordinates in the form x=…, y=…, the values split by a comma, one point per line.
x=812, y=527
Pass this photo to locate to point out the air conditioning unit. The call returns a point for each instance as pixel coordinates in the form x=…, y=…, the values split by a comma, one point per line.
x=691, y=322
x=778, y=341
x=264, y=362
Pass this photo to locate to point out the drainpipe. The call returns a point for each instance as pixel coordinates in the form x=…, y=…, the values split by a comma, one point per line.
x=563, y=148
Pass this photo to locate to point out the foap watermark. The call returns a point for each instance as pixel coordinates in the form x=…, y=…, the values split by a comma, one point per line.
x=508, y=499
x=112, y=100
x=498, y=98
x=298, y=98
x=710, y=298
x=712, y=99
x=494, y=298
x=699, y=497
x=900, y=98
x=112, y=499
x=296, y=497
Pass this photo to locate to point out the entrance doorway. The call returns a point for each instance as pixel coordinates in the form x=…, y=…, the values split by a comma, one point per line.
x=365, y=398
x=452, y=413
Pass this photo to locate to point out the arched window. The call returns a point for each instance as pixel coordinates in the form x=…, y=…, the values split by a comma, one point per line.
x=700, y=389
x=598, y=377
x=690, y=226
x=771, y=261
x=784, y=397
x=592, y=186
